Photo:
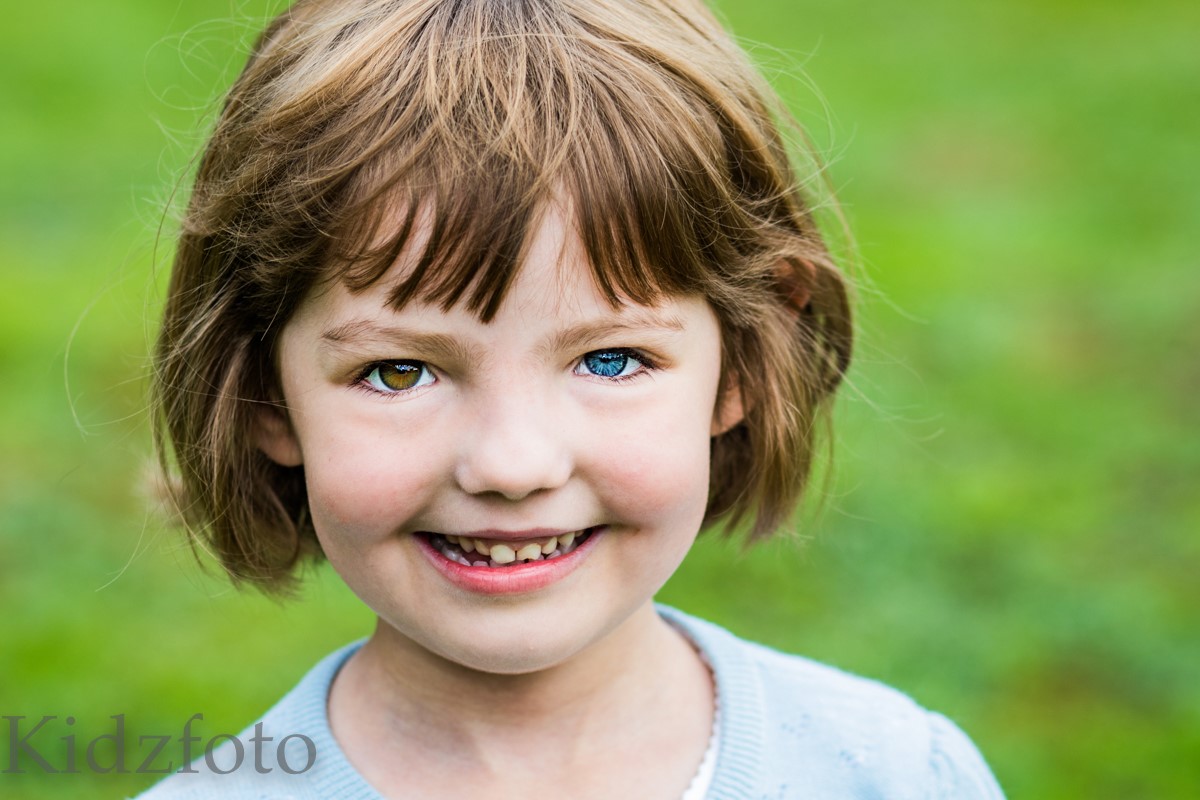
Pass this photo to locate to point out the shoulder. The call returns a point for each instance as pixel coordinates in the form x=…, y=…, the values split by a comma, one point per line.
x=869, y=730
x=834, y=733
x=288, y=754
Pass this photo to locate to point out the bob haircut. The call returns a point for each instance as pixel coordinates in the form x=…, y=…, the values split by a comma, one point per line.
x=469, y=116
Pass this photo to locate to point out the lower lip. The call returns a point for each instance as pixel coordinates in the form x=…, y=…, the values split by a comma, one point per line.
x=528, y=577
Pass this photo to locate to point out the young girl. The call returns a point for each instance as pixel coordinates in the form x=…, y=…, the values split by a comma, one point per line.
x=495, y=304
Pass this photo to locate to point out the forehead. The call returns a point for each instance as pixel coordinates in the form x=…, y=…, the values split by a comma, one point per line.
x=553, y=282
x=456, y=250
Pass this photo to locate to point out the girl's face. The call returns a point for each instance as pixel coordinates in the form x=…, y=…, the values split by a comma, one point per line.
x=561, y=415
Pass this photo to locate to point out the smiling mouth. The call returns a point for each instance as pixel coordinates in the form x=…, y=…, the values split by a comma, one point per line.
x=498, y=555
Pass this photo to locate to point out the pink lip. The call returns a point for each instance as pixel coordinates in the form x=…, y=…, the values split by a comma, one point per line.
x=510, y=580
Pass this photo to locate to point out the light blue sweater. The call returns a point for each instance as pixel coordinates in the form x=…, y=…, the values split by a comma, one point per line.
x=789, y=729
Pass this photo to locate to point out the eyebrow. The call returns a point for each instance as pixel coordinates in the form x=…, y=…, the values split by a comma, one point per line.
x=441, y=346
x=637, y=321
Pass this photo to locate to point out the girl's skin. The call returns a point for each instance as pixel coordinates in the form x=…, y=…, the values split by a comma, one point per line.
x=576, y=689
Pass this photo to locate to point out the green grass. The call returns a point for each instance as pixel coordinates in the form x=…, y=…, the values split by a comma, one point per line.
x=1011, y=532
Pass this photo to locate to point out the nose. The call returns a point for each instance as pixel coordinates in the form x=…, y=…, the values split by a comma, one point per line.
x=514, y=448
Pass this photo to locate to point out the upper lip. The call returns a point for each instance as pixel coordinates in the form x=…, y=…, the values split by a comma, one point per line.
x=515, y=536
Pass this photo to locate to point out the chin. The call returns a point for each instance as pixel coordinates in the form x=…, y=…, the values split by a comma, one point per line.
x=509, y=641
x=506, y=657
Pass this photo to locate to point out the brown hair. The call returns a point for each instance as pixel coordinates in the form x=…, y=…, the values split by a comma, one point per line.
x=642, y=112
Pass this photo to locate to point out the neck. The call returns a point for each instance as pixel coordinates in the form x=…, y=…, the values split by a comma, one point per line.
x=395, y=696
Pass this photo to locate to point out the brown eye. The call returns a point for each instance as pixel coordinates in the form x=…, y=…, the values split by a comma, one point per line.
x=390, y=377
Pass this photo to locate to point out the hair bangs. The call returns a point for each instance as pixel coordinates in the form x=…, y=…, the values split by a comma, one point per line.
x=514, y=121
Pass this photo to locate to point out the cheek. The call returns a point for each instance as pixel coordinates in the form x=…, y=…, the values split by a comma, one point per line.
x=654, y=467
x=364, y=479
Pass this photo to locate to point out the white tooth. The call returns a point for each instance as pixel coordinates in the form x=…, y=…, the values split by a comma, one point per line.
x=480, y=564
x=555, y=554
x=502, y=554
x=448, y=553
x=482, y=547
x=565, y=540
x=529, y=552
x=549, y=546
x=467, y=544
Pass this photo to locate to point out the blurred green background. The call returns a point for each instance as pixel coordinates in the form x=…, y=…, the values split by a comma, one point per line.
x=1010, y=534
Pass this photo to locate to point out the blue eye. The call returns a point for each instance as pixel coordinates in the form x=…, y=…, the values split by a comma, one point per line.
x=610, y=364
x=394, y=377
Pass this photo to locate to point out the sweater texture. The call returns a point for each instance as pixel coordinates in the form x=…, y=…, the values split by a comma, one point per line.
x=790, y=728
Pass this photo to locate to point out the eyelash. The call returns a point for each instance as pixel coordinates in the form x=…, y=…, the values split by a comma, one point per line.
x=362, y=383
x=648, y=365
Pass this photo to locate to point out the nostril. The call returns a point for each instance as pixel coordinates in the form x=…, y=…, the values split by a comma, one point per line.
x=513, y=473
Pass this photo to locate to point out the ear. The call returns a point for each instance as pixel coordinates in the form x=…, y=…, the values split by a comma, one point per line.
x=794, y=278
x=730, y=408
x=276, y=437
